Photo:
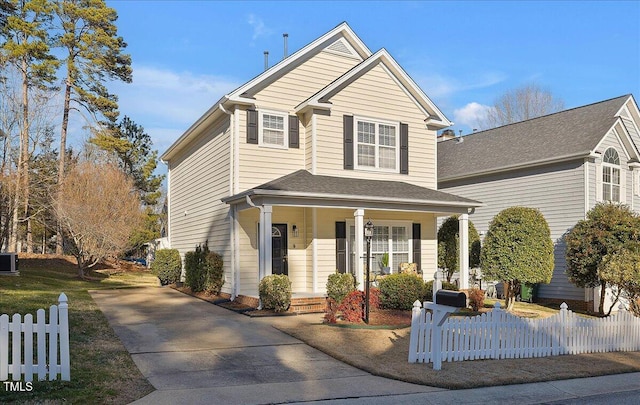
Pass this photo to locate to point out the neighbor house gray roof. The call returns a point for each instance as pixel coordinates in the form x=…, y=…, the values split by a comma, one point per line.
x=563, y=135
x=302, y=184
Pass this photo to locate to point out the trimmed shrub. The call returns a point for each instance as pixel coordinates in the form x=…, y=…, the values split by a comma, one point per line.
x=399, y=291
x=448, y=241
x=476, y=299
x=352, y=306
x=428, y=296
x=339, y=285
x=167, y=265
x=275, y=292
x=204, y=270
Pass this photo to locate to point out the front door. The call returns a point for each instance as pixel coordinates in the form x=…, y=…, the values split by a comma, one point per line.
x=279, y=249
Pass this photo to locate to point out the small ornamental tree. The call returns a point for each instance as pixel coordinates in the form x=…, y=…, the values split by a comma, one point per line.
x=448, y=242
x=621, y=270
x=518, y=249
x=607, y=229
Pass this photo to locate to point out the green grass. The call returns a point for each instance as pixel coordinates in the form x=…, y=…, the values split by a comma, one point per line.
x=101, y=369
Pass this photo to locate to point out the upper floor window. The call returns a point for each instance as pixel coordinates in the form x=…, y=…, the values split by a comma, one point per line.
x=611, y=175
x=376, y=144
x=273, y=129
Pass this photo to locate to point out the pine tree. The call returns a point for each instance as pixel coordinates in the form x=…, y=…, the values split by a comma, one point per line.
x=94, y=54
x=26, y=46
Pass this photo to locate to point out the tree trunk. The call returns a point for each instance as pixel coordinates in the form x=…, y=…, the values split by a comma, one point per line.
x=603, y=292
x=63, y=151
x=29, y=237
x=510, y=296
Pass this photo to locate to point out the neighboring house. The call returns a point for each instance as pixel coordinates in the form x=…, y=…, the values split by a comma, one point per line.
x=280, y=175
x=562, y=164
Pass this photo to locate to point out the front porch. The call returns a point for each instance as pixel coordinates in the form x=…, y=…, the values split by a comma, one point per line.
x=308, y=227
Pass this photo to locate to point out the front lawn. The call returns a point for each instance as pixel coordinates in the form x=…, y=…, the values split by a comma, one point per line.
x=101, y=369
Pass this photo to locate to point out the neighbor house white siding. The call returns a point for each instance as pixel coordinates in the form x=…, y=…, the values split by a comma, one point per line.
x=556, y=190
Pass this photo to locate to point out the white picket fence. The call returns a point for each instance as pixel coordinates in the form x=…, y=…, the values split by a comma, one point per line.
x=500, y=335
x=19, y=335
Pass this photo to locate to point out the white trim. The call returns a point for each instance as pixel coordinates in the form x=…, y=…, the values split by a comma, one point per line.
x=236, y=152
x=359, y=253
x=612, y=166
x=586, y=187
x=626, y=135
x=314, y=250
x=354, y=54
x=314, y=145
x=285, y=126
x=377, y=145
x=169, y=203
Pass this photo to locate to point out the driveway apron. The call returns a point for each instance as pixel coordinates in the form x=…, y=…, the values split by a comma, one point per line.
x=194, y=352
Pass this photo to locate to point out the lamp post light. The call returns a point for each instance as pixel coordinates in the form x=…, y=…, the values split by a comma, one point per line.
x=368, y=235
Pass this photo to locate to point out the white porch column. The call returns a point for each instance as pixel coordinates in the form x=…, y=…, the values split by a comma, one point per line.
x=463, y=250
x=265, y=253
x=359, y=253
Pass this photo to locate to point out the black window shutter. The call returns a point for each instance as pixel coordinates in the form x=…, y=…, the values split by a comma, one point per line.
x=417, y=247
x=404, y=149
x=341, y=247
x=252, y=126
x=294, y=132
x=347, y=128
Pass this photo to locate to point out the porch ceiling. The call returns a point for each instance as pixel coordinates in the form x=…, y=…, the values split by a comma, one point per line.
x=302, y=188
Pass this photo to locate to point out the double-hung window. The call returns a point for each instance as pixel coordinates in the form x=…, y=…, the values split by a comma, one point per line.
x=273, y=129
x=392, y=238
x=611, y=175
x=376, y=145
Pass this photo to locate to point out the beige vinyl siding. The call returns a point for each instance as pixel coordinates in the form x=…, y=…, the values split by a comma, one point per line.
x=304, y=81
x=296, y=246
x=556, y=190
x=199, y=179
x=376, y=95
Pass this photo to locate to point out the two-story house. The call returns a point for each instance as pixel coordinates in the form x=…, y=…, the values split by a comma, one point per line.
x=281, y=174
x=562, y=164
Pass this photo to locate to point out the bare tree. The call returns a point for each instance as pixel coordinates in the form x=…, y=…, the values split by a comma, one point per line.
x=98, y=210
x=522, y=103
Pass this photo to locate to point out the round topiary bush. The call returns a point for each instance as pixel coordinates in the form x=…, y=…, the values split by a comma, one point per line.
x=167, y=265
x=399, y=291
x=275, y=292
x=339, y=285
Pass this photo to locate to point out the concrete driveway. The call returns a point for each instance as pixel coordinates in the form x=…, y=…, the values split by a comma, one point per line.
x=194, y=352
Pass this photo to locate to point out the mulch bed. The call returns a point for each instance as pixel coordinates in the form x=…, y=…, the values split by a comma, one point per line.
x=392, y=318
x=203, y=295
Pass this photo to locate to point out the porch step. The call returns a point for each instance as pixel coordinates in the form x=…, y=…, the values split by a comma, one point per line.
x=307, y=305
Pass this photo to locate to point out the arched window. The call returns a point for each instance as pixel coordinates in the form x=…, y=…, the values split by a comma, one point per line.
x=611, y=175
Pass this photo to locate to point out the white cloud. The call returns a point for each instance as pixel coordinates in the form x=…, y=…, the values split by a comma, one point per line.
x=439, y=86
x=166, y=103
x=471, y=114
x=259, y=28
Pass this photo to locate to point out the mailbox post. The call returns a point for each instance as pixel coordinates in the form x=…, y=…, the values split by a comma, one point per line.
x=446, y=303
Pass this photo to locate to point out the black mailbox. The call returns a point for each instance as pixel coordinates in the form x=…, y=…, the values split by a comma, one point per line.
x=451, y=298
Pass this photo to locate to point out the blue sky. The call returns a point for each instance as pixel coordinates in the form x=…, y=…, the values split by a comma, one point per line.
x=187, y=54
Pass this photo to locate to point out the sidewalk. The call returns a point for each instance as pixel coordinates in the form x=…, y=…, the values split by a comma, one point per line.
x=194, y=352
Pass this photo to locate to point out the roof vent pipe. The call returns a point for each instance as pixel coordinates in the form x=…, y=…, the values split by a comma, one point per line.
x=266, y=60
x=285, y=36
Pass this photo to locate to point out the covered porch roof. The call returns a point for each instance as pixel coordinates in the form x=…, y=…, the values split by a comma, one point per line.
x=302, y=188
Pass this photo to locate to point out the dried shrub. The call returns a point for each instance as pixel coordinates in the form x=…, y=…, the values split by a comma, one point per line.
x=476, y=299
x=275, y=292
x=330, y=311
x=352, y=305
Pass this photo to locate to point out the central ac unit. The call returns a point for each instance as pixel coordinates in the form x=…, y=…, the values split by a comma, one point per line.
x=8, y=263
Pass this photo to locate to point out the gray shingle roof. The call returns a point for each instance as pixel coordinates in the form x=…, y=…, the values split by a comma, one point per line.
x=567, y=133
x=303, y=183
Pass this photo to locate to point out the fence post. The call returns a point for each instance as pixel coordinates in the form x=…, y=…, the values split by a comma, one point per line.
x=63, y=318
x=415, y=330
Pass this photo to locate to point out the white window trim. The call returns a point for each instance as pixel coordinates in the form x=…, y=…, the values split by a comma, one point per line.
x=394, y=266
x=376, y=121
x=285, y=117
x=620, y=184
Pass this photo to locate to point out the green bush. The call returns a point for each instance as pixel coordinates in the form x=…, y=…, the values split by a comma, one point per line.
x=399, y=291
x=204, y=270
x=428, y=296
x=167, y=265
x=448, y=241
x=275, y=292
x=339, y=285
